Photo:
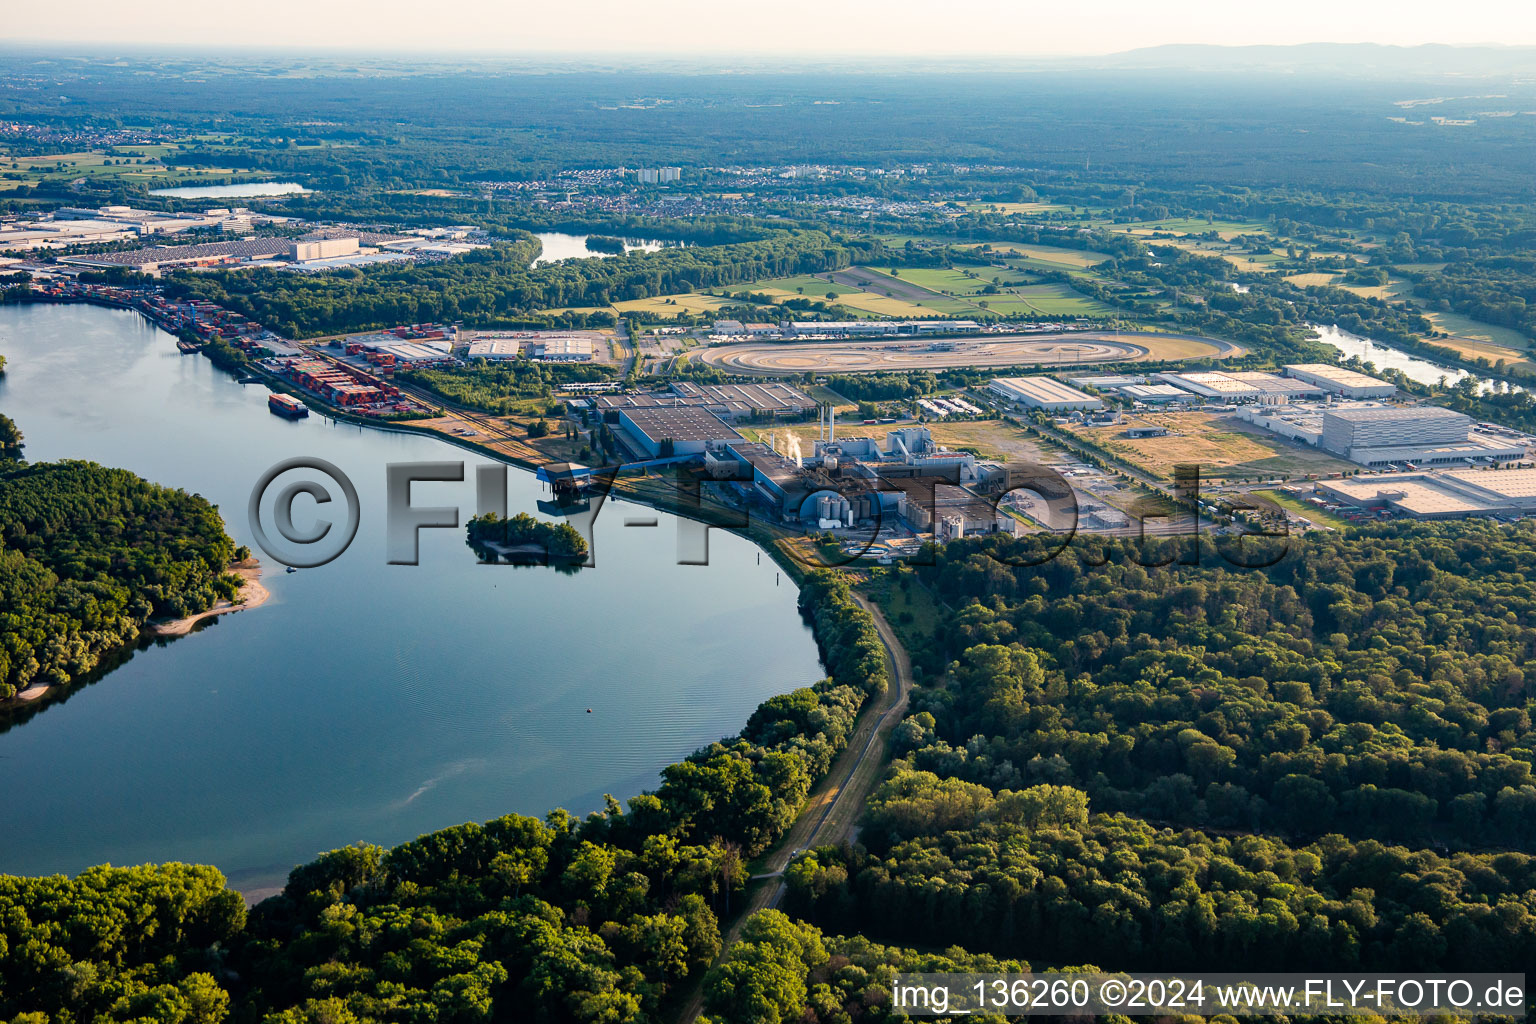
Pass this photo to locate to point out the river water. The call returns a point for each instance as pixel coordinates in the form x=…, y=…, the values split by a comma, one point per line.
x=363, y=701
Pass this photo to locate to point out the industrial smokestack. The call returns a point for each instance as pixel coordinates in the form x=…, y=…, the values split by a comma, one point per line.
x=831, y=424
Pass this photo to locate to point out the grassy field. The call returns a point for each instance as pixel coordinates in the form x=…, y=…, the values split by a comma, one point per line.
x=1226, y=229
x=671, y=305
x=1316, y=280
x=991, y=439
x=1311, y=513
x=1065, y=259
x=1054, y=299
x=1222, y=447
x=824, y=394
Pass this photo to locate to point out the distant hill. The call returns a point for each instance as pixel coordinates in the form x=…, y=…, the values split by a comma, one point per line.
x=1370, y=59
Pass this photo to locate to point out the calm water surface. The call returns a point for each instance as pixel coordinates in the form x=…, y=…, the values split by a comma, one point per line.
x=558, y=246
x=363, y=701
x=246, y=190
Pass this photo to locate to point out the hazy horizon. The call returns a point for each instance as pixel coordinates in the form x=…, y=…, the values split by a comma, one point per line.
x=855, y=28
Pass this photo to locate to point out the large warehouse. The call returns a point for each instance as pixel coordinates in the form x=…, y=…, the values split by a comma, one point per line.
x=1454, y=494
x=1240, y=385
x=1422, y=434
x=1340, y=380
x=1045, y=393
x=689, y=428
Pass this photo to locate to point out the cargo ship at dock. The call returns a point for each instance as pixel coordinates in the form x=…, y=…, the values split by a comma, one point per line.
x=287, y=406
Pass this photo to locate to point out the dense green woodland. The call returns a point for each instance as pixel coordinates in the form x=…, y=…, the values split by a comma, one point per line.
x=88, y=555
x=496, y=287
x=1324, y=763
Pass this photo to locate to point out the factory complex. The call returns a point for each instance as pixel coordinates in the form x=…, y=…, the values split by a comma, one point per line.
x=70, y=226
x=1332, y=408
x=223, y=238
x=906, y=482
x=1380, y=436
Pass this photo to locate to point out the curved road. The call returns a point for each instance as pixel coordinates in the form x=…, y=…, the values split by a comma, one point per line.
x=863, y=355
x=832, y=810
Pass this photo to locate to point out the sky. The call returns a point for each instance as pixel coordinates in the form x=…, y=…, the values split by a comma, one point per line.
x=870, y=28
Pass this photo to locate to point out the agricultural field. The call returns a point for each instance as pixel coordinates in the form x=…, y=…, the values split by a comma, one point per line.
x=1015, y=208
x=1052, y=299
x=1226, y=229
x=1050, y=255
x=29, y=170
x=1475, y=339
x=1223, y=447
x=1243, y=259
x=1313, y=280
x=807, y=285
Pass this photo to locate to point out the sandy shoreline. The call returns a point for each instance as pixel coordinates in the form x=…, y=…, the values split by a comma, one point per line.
x=252, y=594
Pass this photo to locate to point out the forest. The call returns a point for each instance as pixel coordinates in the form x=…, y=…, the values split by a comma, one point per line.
x=496, y=287
x=88, y=555
x=1324, y=761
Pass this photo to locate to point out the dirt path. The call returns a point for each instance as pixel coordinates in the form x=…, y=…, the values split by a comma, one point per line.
x=833, y=808
x=252, y=594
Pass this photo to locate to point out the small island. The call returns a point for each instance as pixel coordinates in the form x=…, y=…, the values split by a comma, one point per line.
x=524, y=540
x=606, y=243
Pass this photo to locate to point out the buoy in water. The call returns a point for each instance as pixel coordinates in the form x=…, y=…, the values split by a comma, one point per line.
x=589, y=711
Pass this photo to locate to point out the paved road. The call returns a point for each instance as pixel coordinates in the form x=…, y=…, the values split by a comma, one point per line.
x=832, y=811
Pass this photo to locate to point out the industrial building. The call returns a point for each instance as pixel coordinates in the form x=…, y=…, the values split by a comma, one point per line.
x=1157, y=394
x=72, y=225
x=877, y=328
x=494, y=349
x=732, y=402
x=1421, y=435
x=166, y=257
x=1045, y=393
x=1340, y=380
x=301, y=251
x=561, y=348
x=388, y=351
x=550, y=346
x=1454, y=494
x=690, y=429
x=1108, y=382
x=737, y=401
x=1274, y=387
x=1239, y=385
x=908, y=451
